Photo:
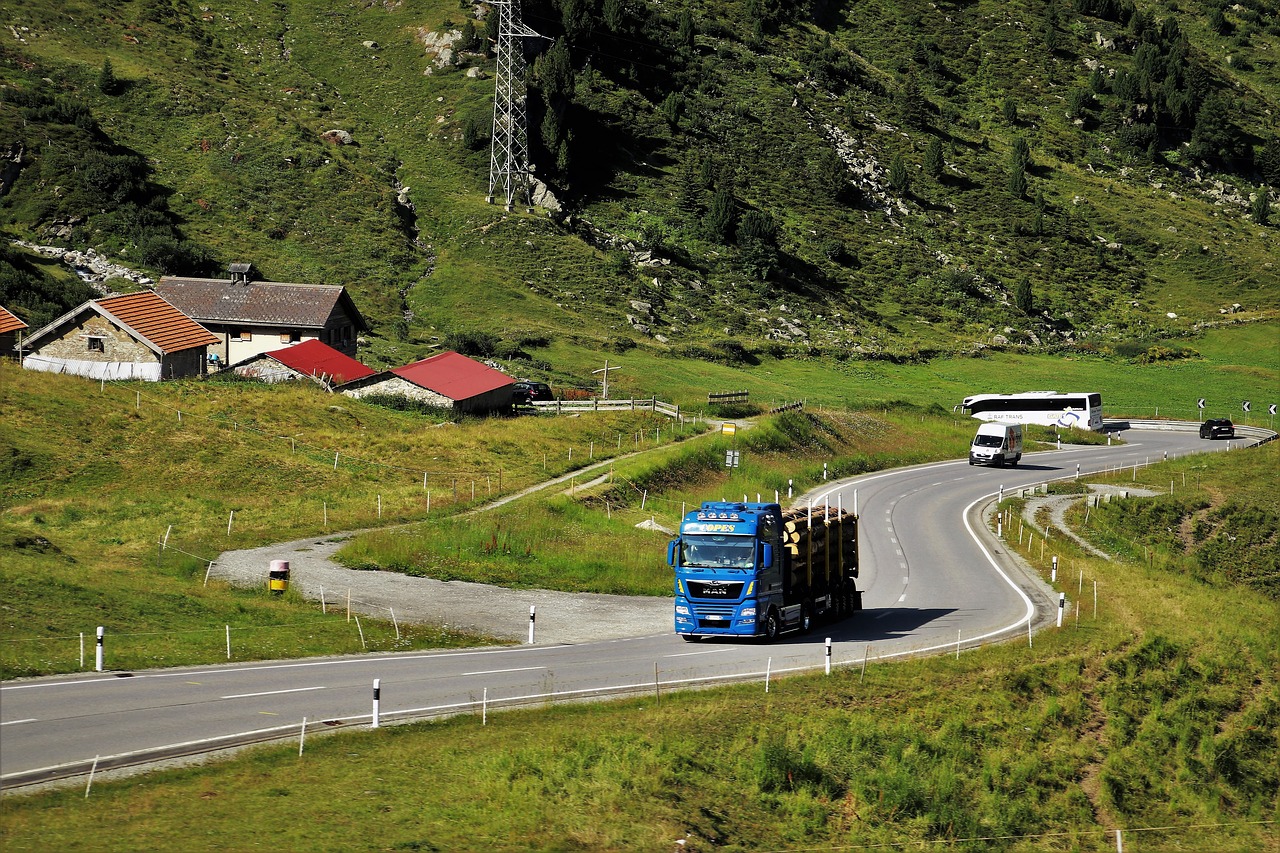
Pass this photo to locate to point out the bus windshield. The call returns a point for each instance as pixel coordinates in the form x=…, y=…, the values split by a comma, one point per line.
x=717, y=552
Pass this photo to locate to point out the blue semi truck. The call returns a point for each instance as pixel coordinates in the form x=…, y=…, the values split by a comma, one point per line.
x=756, y=570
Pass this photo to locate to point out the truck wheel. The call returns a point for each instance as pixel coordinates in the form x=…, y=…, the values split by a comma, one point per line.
x=771, y=626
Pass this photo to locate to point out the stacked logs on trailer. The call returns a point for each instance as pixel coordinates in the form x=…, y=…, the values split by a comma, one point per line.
x=823, y=547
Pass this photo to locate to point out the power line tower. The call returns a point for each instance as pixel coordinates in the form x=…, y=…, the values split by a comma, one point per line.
x=509, y=168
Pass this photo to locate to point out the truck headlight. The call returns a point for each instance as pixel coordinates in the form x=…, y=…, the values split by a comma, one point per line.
x=748, y=611
x=682, y=610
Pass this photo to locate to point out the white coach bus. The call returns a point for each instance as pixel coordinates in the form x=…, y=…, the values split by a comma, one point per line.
x=1049, y=408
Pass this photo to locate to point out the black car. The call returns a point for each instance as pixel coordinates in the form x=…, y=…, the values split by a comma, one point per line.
x=1217, y=428
x=525, y=393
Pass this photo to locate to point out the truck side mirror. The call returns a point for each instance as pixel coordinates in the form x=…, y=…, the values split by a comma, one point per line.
x=766, y=554
x=671, y=552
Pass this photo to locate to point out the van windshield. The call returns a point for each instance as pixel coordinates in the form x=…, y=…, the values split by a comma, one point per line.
x=987, y=441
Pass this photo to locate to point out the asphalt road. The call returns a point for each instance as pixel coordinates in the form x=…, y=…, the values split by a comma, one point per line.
x=931, y=576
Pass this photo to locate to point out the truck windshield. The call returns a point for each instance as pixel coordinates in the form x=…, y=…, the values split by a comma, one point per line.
x=987, y=441
x=715, y=552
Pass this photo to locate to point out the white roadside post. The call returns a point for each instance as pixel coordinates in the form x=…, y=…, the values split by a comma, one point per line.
x=377, y=696
x=1062, y=603
x=828, y=655
x=532, y=619
x=97, y=660
x=1054, y=576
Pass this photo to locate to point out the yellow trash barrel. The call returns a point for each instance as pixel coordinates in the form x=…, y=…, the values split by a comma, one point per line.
x=278, y=577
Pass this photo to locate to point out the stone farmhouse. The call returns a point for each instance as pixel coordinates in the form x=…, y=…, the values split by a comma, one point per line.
x=448, y=379
x=252, y=317
x=134, y=336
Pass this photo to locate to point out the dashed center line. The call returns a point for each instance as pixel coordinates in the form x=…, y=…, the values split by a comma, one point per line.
x=271, y=693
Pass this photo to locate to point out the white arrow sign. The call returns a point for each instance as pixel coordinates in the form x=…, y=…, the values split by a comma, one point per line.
x=1271, y=410
x=1244, y=406
x=1200, y=403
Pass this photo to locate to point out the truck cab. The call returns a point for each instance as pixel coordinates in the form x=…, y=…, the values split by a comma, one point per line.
x=753, y=570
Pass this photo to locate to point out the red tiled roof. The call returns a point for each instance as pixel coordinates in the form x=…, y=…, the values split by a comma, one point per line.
x=313, y=358
x=216, y=300
x=155, y=321
x=453, y=375
x=8, y=322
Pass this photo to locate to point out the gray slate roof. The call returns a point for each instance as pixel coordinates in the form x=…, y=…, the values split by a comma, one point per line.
x=263, y=302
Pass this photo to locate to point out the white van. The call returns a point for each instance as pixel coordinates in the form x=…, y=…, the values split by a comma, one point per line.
x=996, y=444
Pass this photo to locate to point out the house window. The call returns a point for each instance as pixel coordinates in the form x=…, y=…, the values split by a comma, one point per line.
x=241, y=335
x=97, y=345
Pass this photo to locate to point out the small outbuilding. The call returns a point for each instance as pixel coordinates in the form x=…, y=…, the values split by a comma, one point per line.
x=308, y=360
x=448, y=379
x=134, y=336
x=10, y=326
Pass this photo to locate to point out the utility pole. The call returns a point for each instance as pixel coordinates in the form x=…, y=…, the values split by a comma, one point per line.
x=509, y=167
x=605, y=370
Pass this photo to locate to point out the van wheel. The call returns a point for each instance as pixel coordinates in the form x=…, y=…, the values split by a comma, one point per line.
x=771, y=626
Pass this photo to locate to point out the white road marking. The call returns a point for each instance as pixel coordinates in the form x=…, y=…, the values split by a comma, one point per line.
x=271, y=693
x=15, y=722
x=706, y=652
x=498, y=671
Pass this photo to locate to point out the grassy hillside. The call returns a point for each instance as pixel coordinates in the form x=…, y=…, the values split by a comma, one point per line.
x=883, y=179
x=1157, y=713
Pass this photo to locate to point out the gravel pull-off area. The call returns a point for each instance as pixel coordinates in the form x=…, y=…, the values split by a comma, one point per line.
x=562, y=617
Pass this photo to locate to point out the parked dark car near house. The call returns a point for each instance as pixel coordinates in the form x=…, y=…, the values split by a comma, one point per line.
x=525, y=393
x=1217, y=428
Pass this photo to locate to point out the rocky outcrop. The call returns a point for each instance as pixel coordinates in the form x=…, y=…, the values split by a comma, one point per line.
x=88, y=264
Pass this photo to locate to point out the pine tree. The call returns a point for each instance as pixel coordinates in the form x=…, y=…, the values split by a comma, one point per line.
x=1022, y=296
x=1269, y=162
x=830, y=174
x=1261, y=206
x=615, y=15
x=108, y=84
x=1017, y=183
x=720, y=219
x=911, y=103
x=899, y=177
x=685, y=31
x=491, y=33
x=689, y=193
x=1021, y=157
x=1009, y=109
x=933, y=161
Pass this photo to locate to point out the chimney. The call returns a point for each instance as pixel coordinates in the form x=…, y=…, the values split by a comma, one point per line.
x=241, y=273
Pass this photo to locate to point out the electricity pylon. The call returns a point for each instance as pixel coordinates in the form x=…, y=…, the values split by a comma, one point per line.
x=509, y=168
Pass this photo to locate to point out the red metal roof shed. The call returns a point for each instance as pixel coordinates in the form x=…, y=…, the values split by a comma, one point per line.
x=454, y=375
x=313, y=358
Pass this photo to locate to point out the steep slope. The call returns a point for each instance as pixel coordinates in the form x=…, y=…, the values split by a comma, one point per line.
x=894, y=179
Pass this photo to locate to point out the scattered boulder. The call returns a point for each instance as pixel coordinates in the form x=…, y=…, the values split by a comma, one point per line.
x=338, y=137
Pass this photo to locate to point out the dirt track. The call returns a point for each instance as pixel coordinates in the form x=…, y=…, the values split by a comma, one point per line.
x=562, y=617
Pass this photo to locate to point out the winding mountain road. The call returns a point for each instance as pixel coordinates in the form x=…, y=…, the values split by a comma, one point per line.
x=932, y=575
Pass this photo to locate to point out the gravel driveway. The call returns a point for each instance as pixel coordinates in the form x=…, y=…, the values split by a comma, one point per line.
x=562, y=617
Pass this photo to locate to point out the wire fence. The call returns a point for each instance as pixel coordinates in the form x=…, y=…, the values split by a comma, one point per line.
x=597, y=446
